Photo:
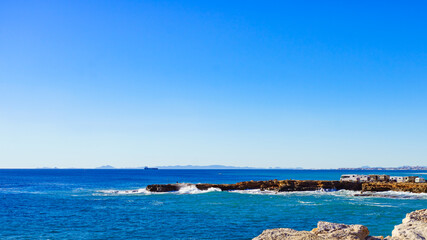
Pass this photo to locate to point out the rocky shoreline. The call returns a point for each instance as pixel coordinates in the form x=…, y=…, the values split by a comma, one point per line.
x=413, y=227
x=300, y=185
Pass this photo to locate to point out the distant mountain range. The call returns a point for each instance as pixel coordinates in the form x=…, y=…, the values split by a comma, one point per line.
x=193, y=167
x=203, y=167
x=417, y=168
x=387, y=168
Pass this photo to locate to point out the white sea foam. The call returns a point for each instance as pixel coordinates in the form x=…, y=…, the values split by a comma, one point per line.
x=307, y=203
x=340, y=193
x=400, y=195
x=192, y=189
x=184, y=189
x=19, y=191
x=124, y=192
x=296, y=193
x=156, y=203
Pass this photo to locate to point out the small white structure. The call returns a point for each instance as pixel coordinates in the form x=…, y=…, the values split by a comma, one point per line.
x=379, y=178
x=409, y=178
x=349, y=178
x=354, y=178
x=420, y=180
x=396, y=179
x=364, y=178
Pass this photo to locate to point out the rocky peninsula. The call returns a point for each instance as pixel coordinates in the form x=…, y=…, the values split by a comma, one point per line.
x=413, y=227
x=300, y=185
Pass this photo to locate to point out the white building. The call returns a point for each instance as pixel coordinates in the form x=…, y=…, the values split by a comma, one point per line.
x=355, y=178
x=364, y=178
x=349, y=178
x=420, y=180
x=410, y=179
x=396, y=179
x=379, y=178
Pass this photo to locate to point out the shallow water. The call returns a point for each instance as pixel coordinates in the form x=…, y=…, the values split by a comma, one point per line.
x=99, y=204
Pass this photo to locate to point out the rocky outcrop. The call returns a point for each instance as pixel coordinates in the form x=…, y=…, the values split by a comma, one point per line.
x=413, y=227
x=286, y=233
x=163, y=187
x=340, y=231
x=300, y=185
x=324, y=230
x=393, y=186
x=272, y=185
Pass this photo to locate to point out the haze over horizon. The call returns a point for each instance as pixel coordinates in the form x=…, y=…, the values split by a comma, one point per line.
x=219, y=167
x=284, y=84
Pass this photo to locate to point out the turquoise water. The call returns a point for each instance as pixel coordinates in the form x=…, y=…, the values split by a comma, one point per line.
x=99, y=204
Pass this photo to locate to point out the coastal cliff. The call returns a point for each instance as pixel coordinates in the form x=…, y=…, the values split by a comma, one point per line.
x=413, y=227
x=300, y=185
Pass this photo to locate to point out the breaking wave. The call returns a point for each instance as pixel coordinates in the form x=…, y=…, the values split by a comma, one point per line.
x=184, y=189
x=124, y=192
x=192, y=189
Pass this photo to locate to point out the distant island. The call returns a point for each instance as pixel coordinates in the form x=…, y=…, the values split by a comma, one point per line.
x=106, y=167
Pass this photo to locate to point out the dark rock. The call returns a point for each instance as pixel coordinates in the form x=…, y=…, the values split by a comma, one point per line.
x=162, y=188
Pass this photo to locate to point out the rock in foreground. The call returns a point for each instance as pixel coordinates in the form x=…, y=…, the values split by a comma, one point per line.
x=413, y=227
x=324, y=230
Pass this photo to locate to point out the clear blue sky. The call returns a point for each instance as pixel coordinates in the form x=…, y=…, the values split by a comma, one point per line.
x=315, y=84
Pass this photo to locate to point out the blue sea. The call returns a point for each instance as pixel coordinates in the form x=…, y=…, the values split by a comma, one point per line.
x=113, y=204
